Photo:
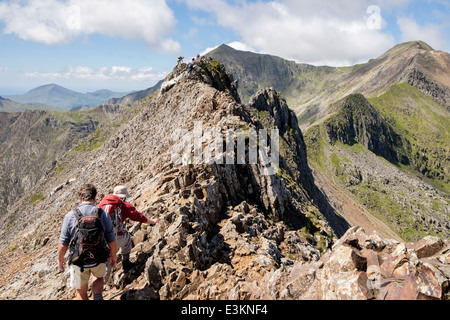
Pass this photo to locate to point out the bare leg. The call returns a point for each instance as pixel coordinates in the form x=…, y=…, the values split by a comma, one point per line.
x=82, y=293
x=97, y=286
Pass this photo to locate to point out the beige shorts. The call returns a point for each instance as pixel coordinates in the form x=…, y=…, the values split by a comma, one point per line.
x=78, y=279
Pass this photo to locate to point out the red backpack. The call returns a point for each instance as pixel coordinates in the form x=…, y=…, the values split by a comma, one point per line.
x=115, y=213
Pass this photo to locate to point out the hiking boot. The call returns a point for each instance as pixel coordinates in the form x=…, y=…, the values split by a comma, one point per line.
x=128, y=265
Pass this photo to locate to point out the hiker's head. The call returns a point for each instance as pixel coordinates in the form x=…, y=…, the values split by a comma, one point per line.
x=122, y=192
x=87, y=193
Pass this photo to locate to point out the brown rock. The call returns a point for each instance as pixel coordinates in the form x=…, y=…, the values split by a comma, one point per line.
x=429, y=284
x=346, y=259
x=300, y=279
x=139, y=237
x=153, y=275
x=347, y=286
x=387, y=268
x=410, y=289
x=390, y=290
x=427, y=247
x=402, y=272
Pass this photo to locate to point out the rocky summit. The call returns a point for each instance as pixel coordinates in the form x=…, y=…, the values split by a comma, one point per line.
x=227, y=230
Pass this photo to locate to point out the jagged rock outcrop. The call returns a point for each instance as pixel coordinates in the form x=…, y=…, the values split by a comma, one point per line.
x=367, y=267
x=440, y=93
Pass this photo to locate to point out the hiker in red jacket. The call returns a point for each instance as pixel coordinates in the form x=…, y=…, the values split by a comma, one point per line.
x=119, y=210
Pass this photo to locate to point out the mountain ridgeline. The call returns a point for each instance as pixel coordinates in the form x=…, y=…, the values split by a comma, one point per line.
x=395, y=106
x=356, y=209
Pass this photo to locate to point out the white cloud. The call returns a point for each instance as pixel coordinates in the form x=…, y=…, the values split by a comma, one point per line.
x=240, y=46
x=235, y=45
x=56, y=21
x=432, y=34
x=147, y=74
x=311, y=31
x=209, y=49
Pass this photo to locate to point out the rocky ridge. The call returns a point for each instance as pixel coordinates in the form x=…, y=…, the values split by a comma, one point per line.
x=226, y=231
x=191, y=200
x=310, y=90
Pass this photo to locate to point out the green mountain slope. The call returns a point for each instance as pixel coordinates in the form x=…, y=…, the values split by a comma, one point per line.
x=425, y=124
x=310, y=90
x=298, y=82
x=371, y=153
x=32, y=142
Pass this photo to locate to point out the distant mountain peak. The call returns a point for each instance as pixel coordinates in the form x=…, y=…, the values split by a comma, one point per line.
x=59, y=97
x=407, y=49
x=49, y=86
x=417, y=44
x=420, y=45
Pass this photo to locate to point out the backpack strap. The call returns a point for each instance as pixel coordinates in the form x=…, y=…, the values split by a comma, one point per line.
x=98, y=213
x=73, y=241
x=78, y=214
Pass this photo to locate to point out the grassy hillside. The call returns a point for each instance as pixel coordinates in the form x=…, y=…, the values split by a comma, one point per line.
x=426, y=126
x=411, y=201
x=31, y=143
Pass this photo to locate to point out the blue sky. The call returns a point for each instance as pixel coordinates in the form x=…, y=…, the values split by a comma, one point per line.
x=87, y=45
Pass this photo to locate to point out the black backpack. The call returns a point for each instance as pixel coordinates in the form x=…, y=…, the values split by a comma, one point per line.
x=89, y=244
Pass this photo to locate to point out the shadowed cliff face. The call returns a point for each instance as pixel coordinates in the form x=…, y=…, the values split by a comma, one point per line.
x=356, y=120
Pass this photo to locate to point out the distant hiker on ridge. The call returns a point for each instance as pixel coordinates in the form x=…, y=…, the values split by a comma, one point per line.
x=89, y=234
x=191, y=65
x=119, y=210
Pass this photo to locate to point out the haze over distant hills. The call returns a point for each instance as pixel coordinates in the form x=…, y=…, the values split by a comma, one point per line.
x=7, y=105
x=62, y=98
